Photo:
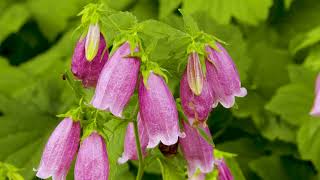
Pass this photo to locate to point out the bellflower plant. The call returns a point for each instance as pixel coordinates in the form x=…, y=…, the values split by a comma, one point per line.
x=223, y=170
x=89, y=57
x=117, y=81
x=60, y=150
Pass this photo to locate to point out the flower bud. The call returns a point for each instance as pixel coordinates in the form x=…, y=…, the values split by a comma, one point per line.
x=60, y=150
x=196, y=150
x=92, y=160
x=85, y=70
x=223, y=76
x=195, y=107
x=92, y=41
x=117, y=81
x=315, y=111
x=158, y=111
x=223, y=170
x=195, y=74
x=130, y=148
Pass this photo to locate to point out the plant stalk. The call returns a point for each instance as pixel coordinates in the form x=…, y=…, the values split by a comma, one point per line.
x=138, y=146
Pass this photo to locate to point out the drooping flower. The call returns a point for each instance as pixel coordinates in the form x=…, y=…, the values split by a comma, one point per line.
x=130, y=148
x=158, y=111
x=315, y=111
x=194, y=74
x=117, y=81
x=196, y=107
x=224, y=172
x=223, y=76
x=196, y=150
x=86, y=70
x=92, y=161
x=60, y=150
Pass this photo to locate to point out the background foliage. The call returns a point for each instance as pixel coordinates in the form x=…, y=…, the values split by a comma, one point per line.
x=275, y=44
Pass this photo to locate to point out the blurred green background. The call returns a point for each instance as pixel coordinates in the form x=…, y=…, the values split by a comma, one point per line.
x=275, y=44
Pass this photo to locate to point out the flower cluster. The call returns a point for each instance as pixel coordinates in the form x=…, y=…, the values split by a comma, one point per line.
x=202, y=87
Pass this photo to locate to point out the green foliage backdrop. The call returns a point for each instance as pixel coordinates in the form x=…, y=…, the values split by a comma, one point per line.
x=275, y=44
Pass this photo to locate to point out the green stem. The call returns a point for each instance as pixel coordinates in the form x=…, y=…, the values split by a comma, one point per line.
x=138, y=146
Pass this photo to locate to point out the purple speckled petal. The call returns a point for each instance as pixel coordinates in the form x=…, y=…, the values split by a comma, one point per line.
x=196, y=108
x=60, y=150
x=194, y=74
x=315, y=111
x=196, y=150
x=88, y=71
x=130, y=149
x=117, y=81
x=92, y=160
x=224, y=172
x=223, y=76
x=158, y=112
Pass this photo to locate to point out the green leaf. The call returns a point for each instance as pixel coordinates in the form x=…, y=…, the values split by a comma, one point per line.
x=309, y=143
x=53, y=16
x=287, y=3
x=305, y=40
x=173, y=168
x=119, y=4
x=166, y=7
x=312, y=61
x=250, y=12
x=12, y=19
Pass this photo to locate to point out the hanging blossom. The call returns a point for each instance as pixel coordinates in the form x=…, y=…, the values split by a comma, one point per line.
x=223, y=76
x=130, y=148
x=60, y=150
x=196, y=107
x=196, y=150
x=224, y=172
x=117, y=81
x=92, y=161
x=315, y=111
x=158, y=111
x=89, y=57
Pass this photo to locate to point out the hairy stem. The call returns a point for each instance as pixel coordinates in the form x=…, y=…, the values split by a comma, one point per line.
x=138, y=146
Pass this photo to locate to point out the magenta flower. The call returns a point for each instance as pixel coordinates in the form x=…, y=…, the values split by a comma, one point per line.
x=130, y=148
x=117, y=81
x=195, y=107
x=223, y=76
x=223, y=170
x=196, y=150
x=158, y=112
x=315, y=111
x=86, y=70
x=194, y=74
x=60, y=150
x=92, y=160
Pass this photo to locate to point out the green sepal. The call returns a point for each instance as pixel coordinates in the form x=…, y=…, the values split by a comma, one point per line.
x=221, y=154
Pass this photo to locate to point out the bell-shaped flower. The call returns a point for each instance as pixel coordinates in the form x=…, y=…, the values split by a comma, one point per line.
x=86, y=70
x=195, y=74
x=224, y=172
x=196, y=107
x=315, y=111
x=223, y=76
x=60, y=150
x=130, y=148
x=158, y=111
x=196, y=150
x=92, y=161
x=117, y=81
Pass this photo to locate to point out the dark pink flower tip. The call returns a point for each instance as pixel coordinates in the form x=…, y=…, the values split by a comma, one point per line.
x=130, y=148
x=196, y=150
x=315, y=111
x=92, y=160
x=117, y=81
x=223, y=77
x=88, y=71
x=195, y=107
x=158, y=112
x=60, y=150
x=224, y=172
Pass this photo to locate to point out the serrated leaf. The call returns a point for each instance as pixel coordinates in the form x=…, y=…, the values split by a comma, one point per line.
x=250, y=12
x=173, y=168
x=12, y=19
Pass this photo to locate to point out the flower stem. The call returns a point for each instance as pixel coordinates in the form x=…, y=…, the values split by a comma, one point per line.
x=138, y=146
